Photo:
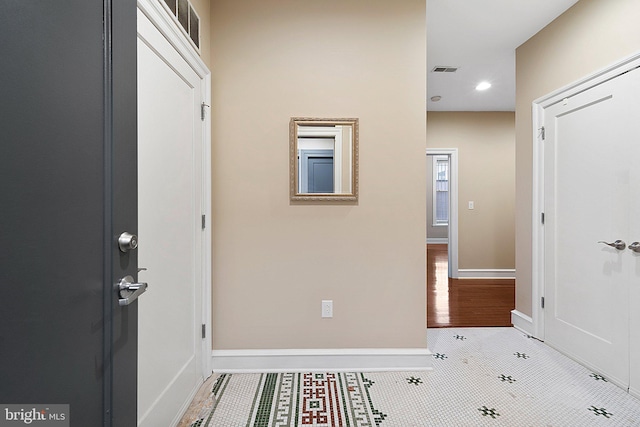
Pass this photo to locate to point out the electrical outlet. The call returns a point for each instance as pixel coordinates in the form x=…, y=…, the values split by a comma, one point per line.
x=327, y=308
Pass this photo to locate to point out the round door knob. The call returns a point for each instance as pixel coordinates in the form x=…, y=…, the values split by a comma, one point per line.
x=127, y=242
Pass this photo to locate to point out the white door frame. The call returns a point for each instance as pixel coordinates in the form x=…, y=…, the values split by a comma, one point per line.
x=537, y=240
x=453, y=206
x=164, y=22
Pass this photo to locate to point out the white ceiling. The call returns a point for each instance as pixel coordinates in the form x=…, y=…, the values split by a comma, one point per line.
x=480, y=37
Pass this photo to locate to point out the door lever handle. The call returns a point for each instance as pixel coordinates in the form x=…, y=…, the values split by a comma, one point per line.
x=618, y=244
x=129, y=291
x=635, y=246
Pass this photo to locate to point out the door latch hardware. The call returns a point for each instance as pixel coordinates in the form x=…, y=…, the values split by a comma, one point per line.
x=128, y=290
x=618, y=244
x=203, y=111
x=635, y=246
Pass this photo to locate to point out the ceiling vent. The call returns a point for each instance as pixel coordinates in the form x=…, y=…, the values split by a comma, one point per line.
x=443, y=69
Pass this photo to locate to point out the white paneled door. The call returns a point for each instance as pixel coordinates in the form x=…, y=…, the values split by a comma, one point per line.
x=634, y=235
x=170, y=198
x=591, y=195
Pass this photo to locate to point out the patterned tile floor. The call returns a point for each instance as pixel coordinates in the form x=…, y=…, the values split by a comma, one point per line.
x=481, y=377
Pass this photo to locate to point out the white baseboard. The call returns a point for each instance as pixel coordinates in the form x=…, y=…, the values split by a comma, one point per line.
x=322, y=360
x=634, y=392
x=437, y=240
x=507, y=273
x=522, y=322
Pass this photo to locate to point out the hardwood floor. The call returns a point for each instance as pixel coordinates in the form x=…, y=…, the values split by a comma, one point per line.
x=465, y=302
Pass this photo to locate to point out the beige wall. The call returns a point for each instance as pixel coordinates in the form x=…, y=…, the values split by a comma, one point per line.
x=590, y=36
x=275, y=261
x=486, y=164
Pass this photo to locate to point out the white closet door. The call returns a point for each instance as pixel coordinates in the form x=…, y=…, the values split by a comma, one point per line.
x=634, y=236
x=591, y=150
x=170, y=180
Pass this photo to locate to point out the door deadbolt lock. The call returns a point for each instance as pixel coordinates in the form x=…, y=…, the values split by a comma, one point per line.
x=127, y=242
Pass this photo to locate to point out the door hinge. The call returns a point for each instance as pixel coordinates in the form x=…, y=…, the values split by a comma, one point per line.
x=542, y=217
x=542, y=133
x=204, y=331
x=204, y=221
x=542, y=302
x=203, y=111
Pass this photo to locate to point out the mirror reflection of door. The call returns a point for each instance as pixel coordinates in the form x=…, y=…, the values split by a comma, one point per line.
x=324, y=159
x=316, y=157
x=316, y=171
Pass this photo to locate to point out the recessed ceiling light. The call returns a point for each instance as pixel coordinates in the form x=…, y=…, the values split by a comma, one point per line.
x=436, y=98
x=483, y=86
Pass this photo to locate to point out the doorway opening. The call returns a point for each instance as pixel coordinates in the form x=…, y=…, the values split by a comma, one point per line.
x=465, y=302
x=452, y=301
x=442, y=216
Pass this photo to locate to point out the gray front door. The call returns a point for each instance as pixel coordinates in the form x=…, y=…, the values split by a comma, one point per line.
x=68, y=187
x=321, y=175
x=316, y=171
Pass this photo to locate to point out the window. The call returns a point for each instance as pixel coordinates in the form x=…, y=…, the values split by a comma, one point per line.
x=187, y=18
x=440, y=190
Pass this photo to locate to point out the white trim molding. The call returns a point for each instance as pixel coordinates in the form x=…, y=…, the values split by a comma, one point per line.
x=322, y=360
x=501, y=273
x=437, y=240
x=537, y=228
x=207, y=298
x=522, y=322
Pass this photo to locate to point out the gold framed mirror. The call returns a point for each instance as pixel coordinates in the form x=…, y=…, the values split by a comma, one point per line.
x=323, y=157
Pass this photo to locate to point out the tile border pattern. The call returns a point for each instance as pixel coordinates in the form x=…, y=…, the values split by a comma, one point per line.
x=300, y=399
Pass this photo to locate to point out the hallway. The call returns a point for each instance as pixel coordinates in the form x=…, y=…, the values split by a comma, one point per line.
x=465, y=302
